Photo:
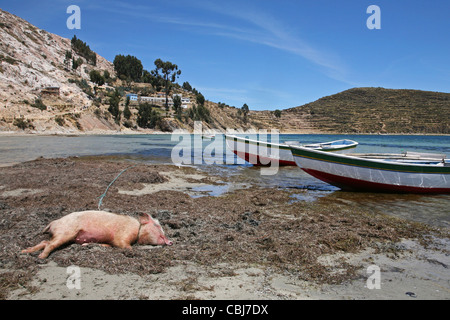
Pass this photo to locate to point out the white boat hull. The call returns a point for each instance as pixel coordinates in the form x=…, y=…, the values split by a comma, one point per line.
x=259, y=152
x=352, y=173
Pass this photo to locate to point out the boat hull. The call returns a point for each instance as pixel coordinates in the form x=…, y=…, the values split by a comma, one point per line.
x=355, y=174
x=264, y=153
x=260, y=153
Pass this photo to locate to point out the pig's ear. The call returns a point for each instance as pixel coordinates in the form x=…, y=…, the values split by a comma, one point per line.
x=144, y=218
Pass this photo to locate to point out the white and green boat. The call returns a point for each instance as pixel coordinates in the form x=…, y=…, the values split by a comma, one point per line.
x=401, y=173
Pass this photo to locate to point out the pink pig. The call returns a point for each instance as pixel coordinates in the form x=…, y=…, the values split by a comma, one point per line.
x=102, y=227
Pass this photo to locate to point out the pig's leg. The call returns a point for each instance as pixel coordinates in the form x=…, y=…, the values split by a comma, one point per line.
x=36, y=248
x=122, y=243
x=54, y=243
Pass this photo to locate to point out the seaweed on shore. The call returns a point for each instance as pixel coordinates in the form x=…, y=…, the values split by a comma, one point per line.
x=255, y=226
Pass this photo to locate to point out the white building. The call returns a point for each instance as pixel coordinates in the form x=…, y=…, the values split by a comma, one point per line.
x=157, y=100
x=160, y=99
x=132, y=96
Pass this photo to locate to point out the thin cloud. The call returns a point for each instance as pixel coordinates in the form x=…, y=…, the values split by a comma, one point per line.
x=268, y=31
x=250, y=25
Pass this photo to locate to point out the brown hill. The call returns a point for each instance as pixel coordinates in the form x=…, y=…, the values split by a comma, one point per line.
x=367, y=110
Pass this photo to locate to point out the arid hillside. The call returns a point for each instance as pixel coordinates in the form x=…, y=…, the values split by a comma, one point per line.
x=379, y=110
x=367, y=110
x=32, y=60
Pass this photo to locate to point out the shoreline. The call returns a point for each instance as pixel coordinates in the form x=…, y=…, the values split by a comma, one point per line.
x=405, y=277
x=151, y=132
x=244, y=243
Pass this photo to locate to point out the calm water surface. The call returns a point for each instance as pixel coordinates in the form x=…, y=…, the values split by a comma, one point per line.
x=430, y=209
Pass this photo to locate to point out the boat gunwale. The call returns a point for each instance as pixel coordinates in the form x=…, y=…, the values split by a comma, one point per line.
x=285, y=146
x=376, y=164
x=257, y=142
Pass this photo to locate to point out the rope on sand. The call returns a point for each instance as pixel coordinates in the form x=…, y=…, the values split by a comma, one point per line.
x=112, y=182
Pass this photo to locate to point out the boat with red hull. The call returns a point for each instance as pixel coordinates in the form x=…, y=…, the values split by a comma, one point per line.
x=259, y=152
x=395, y=173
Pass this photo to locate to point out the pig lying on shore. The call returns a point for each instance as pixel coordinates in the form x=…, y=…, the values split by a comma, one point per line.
x=101, y=227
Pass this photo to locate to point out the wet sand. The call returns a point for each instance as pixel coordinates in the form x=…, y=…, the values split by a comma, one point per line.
x=247, y=243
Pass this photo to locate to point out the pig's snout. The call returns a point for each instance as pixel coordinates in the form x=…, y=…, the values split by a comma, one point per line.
x=164, y=241
x=151, y=232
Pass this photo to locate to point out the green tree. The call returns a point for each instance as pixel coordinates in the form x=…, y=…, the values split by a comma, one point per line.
x=68, y=59
x=155, y=119
x=144, y=114
x=128, y=67
x=113, y=108
x=76, y=63
x=200, y=99
x=96, y=77
x=244, y=111
x=39, y=104
x=187, y=86
x=277, y=113
x=149, y=77
x=200, y=113
x=177, y=106
x=107, y=76
x=168, y=72
x=22, y=124
x=83, y=50
x=147, y=118
x=126, y=111
x=204, y=113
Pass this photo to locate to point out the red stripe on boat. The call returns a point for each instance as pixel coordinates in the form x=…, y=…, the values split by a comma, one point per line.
x=351, y=184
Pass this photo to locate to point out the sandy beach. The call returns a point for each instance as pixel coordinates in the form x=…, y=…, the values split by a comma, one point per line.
x=246, y=242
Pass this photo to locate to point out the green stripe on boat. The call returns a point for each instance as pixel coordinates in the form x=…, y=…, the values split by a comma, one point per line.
x=367, y=163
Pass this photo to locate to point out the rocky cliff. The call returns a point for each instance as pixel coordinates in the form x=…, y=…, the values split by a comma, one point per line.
x=32, y=60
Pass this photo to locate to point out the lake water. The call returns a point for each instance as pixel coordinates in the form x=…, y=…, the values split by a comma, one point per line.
x=431, y=209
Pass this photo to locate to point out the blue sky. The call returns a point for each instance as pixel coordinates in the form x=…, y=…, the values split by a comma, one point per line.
x=268, y=54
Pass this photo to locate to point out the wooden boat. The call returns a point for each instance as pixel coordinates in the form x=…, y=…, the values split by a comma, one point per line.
x=263, y=153
x=399, y=173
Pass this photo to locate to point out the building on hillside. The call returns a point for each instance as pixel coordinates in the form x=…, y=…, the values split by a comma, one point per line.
x=160, y=100
x=184, y=101
x=157, y=100
x=132, y=96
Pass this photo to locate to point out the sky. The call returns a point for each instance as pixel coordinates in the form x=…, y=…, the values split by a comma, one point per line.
x=267, y=54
